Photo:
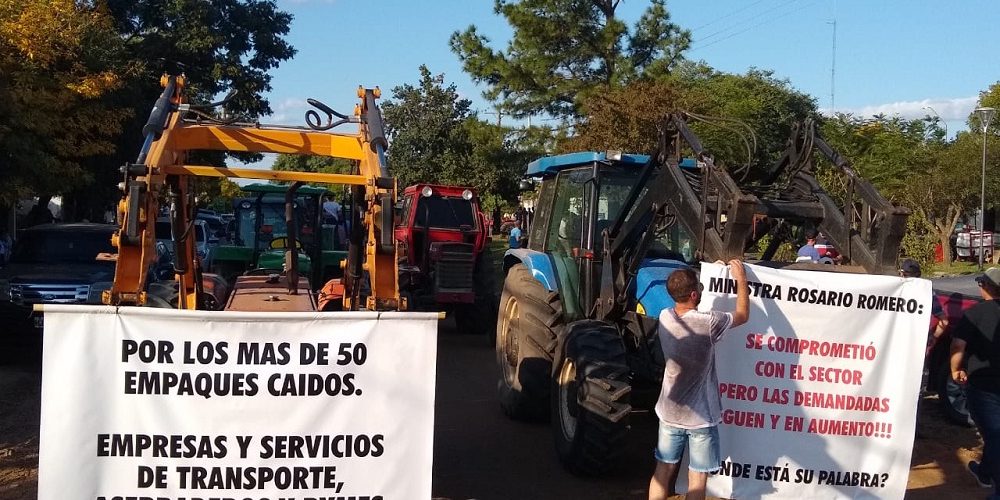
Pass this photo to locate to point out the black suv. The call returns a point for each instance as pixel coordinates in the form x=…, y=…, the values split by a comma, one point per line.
x=56, y=264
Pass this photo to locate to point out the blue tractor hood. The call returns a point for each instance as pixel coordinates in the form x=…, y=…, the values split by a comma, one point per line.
x=651, y=285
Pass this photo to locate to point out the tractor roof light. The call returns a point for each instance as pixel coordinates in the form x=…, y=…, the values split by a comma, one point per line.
x=613, y=155
x=427, y=192
x=467, y=195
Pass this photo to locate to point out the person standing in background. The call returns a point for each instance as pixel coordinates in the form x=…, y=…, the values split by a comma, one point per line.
x=809, y=249
x=975, y=360
x=515, y=235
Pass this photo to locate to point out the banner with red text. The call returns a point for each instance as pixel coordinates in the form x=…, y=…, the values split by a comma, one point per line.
x=161, y=404
x=819, y=389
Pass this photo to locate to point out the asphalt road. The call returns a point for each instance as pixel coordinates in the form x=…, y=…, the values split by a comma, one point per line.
x=965, y=284
x=481, y=454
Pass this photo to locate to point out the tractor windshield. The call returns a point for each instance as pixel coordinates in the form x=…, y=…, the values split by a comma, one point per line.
x=444, y=213
x=671, y=242
x=271, y=224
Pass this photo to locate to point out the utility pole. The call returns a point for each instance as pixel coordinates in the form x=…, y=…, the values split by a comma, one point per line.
x=833, y=63
x=499, y=114
x=833, y=68
x=985, y=115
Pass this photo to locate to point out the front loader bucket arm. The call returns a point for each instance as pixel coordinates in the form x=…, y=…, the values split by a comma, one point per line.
x=144, y=182
x=720, y=216
x=869, y=229
x=866, y=228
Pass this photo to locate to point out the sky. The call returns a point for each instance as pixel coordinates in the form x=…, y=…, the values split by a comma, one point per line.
x=913, y=58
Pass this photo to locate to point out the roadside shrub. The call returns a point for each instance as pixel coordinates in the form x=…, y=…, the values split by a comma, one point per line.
x=919, y=241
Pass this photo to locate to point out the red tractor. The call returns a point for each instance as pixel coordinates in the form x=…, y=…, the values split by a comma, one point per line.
x=443, y=260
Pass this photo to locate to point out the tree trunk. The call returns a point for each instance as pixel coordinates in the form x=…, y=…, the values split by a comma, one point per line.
x=944, y=237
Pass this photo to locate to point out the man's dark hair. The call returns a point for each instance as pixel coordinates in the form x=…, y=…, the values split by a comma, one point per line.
x=681, y=283
x=993, y=289
x=811, y=234
x=910, y=268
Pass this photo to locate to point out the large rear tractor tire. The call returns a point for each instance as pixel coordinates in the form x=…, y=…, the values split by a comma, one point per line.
x=528, y=323
x=590, y=398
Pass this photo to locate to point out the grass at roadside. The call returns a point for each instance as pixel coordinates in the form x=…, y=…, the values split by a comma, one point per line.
x=956, y=268
x=496, y=248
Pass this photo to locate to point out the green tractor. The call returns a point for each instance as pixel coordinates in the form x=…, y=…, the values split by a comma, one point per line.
x=259, y=237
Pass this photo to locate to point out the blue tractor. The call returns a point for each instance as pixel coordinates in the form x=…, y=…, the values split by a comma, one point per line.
x=576, y=328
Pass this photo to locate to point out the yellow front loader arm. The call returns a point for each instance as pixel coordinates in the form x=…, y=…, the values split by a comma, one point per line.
x=161, y=174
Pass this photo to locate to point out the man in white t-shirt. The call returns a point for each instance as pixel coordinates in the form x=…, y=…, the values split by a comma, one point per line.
x=689, y=406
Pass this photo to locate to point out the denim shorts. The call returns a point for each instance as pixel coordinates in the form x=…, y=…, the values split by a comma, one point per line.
x=703, y=452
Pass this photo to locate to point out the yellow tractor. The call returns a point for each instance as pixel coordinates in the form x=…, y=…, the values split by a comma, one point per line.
x=161, y=178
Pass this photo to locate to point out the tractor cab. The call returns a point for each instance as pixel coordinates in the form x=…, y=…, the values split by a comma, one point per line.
x=260, y=234
x=581, y=196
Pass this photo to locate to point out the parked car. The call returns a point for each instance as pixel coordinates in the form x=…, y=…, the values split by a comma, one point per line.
x=60, y=264
x=205, y=240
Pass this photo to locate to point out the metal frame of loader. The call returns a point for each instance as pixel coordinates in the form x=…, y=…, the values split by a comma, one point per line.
x=176, y=127
x=586, y=365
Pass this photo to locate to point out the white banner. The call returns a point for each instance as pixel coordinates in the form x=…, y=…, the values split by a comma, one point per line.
x=820, y=387
x=160, y=404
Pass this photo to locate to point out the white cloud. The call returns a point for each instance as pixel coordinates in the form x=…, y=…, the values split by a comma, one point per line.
x=956, y=109
x=286, y=110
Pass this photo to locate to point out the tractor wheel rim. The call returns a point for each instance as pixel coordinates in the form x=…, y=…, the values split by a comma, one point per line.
x=567, y=380
x=508, y=340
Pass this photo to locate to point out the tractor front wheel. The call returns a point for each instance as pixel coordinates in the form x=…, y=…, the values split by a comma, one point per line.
x=528, y=323
x=590, y=398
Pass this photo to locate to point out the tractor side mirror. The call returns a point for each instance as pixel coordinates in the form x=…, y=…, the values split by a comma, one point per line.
x=526, y=185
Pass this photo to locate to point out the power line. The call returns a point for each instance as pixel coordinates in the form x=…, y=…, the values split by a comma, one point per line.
x=786, y=14
x=727, y=16
x=747, y=20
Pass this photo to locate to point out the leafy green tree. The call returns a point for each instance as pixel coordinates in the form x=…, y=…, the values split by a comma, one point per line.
x=564, y=51
x=313, y=164
x=316, y=164
x=910, y=164
x=58, y=60
x=988, y=98
x=499, y=157
x=425, y=124
x=222, y=201
x=759, y=111
x=219, y=45
x=950, y=189
x=768, y=106
x=887, y=152
x=435, y=138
